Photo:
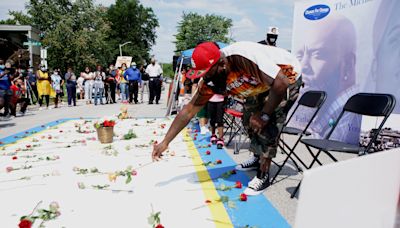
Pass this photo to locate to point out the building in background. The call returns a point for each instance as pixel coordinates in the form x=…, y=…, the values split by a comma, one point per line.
x=20, y=44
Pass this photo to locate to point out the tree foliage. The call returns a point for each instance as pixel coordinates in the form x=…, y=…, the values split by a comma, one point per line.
x=18, y=18
x=131, y=21
x=167, y=70
x=74, y=31
x=194, y=28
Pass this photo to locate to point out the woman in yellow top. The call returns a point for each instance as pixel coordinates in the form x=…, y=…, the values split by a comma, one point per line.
x=43, y=86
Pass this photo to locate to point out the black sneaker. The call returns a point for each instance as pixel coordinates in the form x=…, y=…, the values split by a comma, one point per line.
x=251, y=164
x=258, y=185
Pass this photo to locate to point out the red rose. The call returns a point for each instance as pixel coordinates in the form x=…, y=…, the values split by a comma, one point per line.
x=238, y=184
x=208, y=152
x=243, y=197
x=196, y=130
x=111, y=123
x=61, y=131
x=1, y=143
x=155, y=142
x=25, y=223
x=105, y=123
x=208, y=201
x=218, y=162
x=209, y=145
x=14, y=158
x=154, y=132
x=9, y=169
x=195, y=134
x=28, y=146
x=159, y=226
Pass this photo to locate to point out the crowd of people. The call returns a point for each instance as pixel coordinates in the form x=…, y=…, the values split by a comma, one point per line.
x=26, y=86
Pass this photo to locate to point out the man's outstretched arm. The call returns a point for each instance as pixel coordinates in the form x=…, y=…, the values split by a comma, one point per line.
x=180, y=121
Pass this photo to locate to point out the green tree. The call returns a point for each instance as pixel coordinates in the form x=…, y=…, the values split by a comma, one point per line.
x=18, y=18
x=194, y=28
x=131, y=21
x=75, y=32
x=167, y=70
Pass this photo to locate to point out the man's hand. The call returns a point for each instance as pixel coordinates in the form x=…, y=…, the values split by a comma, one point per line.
x=256, y=123
x=158, y=150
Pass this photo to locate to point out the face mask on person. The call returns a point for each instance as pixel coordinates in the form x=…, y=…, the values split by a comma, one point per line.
x=133, y=67
x=56, y=72
x=271, y=38
x=87, y=70
x=123, y=68
x=2, y=67
x=43, y=69
x=30, y=70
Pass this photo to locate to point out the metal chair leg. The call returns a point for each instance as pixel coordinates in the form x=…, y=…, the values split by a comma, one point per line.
x=295, y=190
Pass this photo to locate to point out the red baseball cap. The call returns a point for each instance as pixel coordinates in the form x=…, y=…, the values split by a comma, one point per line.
x=204, y=56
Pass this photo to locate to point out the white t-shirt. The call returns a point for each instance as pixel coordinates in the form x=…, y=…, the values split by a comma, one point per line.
x=56, y=82
x=80, y=82
x=154, y=71
x=249, y=62
x=266, y=57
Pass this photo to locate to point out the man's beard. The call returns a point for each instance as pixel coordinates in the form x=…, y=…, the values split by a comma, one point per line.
x=217, y=82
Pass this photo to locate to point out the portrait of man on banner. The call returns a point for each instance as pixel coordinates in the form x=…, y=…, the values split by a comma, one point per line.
x=327, y=49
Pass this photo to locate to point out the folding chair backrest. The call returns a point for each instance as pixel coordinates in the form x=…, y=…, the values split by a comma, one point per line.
x=369, y=104
x=311, y=99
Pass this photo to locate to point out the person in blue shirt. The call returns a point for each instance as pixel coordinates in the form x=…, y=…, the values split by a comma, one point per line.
x=6, y=73
x=134, y=78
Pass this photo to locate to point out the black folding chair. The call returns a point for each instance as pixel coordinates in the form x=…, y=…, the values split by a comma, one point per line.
x=368, y=104
x=311, y=99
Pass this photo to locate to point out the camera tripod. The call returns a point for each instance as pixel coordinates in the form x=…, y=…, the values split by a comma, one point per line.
x=29, y=92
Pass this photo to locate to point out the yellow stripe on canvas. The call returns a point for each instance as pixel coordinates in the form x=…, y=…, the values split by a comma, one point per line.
x=219, y=214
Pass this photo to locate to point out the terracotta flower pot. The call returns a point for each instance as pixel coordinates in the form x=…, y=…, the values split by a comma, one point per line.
x=105, y=134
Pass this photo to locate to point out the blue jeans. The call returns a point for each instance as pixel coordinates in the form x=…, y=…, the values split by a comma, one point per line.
x=98, y=95
x=124, y=87
x=71, y=91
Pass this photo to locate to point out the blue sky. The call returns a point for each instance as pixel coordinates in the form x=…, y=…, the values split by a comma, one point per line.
x=251, y=18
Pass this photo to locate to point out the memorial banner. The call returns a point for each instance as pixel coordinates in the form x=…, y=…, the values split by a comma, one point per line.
x=346, y=47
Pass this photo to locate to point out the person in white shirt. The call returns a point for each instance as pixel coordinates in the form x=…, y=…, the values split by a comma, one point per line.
x=56, y=84
x=155, y=72
x=88, y=83
x=99, y=77
x=80, y=89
